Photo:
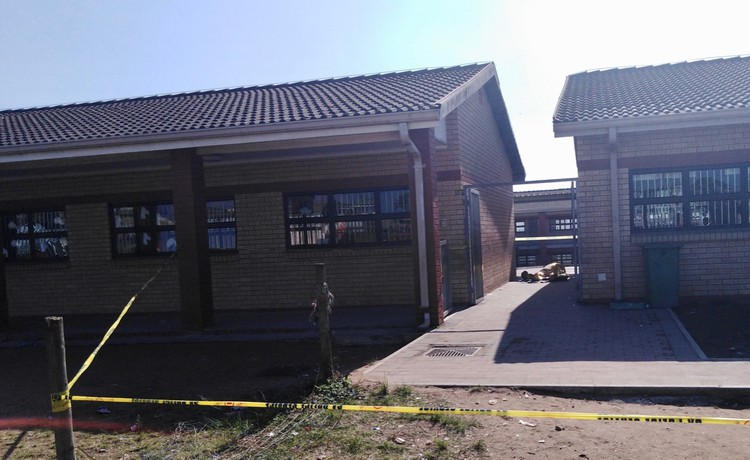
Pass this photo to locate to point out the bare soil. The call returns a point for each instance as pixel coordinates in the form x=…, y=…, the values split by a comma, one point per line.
x=274, y=372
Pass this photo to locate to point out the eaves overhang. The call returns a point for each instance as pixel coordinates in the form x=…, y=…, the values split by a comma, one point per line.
x=210, y=141
x=652, y=123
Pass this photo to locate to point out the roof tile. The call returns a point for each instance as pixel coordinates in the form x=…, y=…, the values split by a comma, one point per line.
x=359, y=96
x=686, y=87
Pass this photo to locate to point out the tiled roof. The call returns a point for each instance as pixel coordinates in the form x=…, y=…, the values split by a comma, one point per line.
x=348, y=97
x=686, y=87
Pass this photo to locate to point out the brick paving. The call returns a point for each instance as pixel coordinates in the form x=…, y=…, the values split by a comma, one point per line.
x=538, y=336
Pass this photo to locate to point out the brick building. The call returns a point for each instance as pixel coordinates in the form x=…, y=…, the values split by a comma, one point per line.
x=254, y=186
x=663, y=156
x=545, y=227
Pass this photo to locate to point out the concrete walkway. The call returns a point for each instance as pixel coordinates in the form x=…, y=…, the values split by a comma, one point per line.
x=537, y=336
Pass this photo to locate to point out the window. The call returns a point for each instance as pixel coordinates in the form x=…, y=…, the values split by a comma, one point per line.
x=40, y=235
x=144, y=229
x=560, y=224
x=348, y=218
x=564, y=258
x=520, y=226
x=222, y=226
x=694, y=198
x=149, y=229
x=526, y=260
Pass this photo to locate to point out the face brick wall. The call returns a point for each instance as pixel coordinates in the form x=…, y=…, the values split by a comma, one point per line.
x=475, y=141
x=711, y=263
x=263, y=273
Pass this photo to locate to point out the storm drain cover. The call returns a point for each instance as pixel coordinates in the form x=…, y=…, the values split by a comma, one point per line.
x=452, y=351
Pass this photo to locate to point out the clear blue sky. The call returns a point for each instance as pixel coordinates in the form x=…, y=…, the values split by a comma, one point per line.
x=54, y=51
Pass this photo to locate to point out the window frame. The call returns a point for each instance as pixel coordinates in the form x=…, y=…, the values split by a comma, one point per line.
x=153, y=229
x=327, y=221
x=32, y=235
x=688, y=197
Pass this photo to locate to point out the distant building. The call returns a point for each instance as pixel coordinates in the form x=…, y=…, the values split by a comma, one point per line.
x=545, y=227
x=663, y=155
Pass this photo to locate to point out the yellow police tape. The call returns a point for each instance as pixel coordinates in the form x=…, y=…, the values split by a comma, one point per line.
x=427, y=410
x=114, y=325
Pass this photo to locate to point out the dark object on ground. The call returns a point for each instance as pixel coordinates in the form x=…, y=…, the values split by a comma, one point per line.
x=550, y=272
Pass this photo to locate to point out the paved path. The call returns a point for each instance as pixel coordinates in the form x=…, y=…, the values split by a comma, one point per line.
x=538, y=336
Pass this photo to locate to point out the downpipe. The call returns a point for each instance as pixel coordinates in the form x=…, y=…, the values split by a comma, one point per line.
x=418, y=165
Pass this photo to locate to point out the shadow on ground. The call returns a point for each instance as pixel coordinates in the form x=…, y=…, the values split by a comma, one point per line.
x=721, y=328
x=552, y=326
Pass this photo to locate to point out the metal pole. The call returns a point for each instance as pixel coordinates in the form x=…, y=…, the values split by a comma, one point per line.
x=62, y=412
x=324, y=304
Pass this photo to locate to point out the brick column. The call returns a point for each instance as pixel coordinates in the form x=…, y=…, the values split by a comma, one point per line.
x=425, y=142
x=188, y=194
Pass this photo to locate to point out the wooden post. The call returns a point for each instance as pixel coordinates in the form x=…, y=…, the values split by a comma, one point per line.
x=324, y=304
x=62, y=412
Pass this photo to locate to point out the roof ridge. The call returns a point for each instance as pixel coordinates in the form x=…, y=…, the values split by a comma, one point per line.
x=665, y=64
x=228, y=89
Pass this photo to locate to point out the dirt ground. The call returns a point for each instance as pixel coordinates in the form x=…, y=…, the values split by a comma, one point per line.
x=267, y=372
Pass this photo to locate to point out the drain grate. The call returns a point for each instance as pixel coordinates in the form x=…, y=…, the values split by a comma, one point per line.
x=452, y=351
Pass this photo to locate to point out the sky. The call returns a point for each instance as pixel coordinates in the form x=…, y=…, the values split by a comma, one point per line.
x=57, y=52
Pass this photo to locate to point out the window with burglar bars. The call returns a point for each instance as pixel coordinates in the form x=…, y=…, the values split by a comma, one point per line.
x=149, y=229
x=39, y=235
x=364, y=217
x=690, y=199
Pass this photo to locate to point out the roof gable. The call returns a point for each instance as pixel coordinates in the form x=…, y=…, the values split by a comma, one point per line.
x=337, y=98
x=616, y=97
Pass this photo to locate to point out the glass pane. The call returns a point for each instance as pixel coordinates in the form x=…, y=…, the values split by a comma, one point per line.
x=354, y=204
x=307, y=206
x=638, y=220
x=124, y=217
x=222, y=238
x=167, y=241
x=666, y=215
x=49, y=221
x=715, y=181
x=20, y=249
x=143, y=216
x=17, y=224
x=313, y=233
x=708, y=213
x=657, y=185
x=51, y=248
x=125, y=243
x=220, y=211
x=396, y=230
x=353, y=232
x=164, y=214
x=394, y=201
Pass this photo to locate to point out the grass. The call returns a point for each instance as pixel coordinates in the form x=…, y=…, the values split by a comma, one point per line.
x=276, y=435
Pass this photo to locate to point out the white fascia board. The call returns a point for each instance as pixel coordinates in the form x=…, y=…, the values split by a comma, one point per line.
x=458, y=96
x=209, y=139
x=653, y=123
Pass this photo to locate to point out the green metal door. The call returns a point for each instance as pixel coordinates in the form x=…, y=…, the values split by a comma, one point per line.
x=663, y=276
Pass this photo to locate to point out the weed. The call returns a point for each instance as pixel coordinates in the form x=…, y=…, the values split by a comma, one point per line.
x=458, y=425
x=335, y=391
x=479, y=446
